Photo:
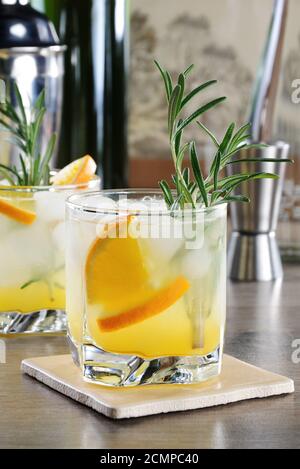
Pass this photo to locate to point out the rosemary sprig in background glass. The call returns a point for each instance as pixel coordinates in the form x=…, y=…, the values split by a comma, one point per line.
x=25, y=129
x=214, y=189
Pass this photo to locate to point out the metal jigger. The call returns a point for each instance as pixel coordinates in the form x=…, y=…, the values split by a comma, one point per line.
x=253, y=253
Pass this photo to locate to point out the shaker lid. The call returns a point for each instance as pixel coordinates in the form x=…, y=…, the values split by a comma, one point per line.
x=23, y=26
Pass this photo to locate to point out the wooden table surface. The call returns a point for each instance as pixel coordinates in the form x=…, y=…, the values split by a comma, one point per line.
x=263, y=321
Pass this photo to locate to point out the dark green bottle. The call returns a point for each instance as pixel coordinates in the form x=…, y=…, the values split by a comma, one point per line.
x=95, y=88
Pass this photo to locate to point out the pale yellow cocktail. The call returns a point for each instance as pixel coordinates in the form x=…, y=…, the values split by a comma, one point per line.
x=156, y=296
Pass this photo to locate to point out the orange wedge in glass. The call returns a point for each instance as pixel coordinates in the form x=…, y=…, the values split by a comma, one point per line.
x=116, y=275
x=79, y=171
x=161, y=301
x=117, y=281
x=27, y=217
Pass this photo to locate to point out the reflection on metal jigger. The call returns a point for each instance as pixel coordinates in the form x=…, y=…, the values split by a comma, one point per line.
x=254, y=257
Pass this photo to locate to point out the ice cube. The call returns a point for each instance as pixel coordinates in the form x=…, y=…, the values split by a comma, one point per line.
x=25, y=254
x=154, y=204
x=101, y=202
x=196, y=262
x=215, y=232
x=160, y=236
x=7, y=225
x=133, y=206
x=145, y=205
x=99, y=206
x=59, y=237
x=50, y=206
x=80, y=237
x=162, y=250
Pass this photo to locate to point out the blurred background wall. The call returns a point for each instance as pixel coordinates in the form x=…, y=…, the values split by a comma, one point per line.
x=225, y=40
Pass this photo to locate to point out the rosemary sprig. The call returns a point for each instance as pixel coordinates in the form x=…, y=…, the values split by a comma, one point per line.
x=25, y=130
x=215, y=189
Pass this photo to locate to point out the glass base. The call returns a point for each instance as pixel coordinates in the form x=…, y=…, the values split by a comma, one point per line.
x=123, y=370
x=75, y=350
x=47, y=321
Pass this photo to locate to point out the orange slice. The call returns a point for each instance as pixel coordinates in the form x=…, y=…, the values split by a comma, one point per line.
x=79, y=171
x=163, y=299
x=115, y=272
x=15, y=213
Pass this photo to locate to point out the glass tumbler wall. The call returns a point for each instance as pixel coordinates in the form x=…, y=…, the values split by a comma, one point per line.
x=146, y=288
x=32, y=245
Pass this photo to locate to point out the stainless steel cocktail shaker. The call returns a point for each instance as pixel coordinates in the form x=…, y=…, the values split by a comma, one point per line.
x=31, y=56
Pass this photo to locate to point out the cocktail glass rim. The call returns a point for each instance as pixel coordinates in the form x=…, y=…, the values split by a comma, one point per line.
x=75, y=201
x=49, y=188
